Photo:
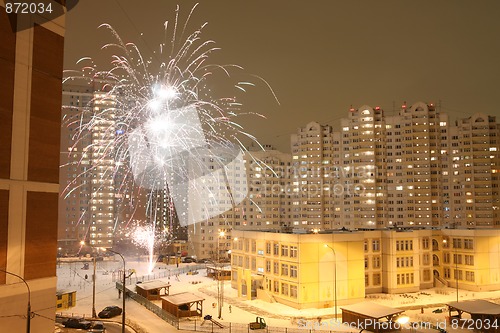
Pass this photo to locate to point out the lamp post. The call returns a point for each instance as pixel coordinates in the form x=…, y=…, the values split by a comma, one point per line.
x=334, y=278
x=123, y=288
x=28, y=314
x=456, y=264
x=94, y=315
x=219, y=274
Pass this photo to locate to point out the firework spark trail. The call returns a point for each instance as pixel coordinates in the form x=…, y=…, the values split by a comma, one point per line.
x=163, y=122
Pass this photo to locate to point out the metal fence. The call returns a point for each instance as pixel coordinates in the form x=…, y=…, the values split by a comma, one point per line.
x=172, y=320
x=164, y=273
x=209, y=326
x=201, y=325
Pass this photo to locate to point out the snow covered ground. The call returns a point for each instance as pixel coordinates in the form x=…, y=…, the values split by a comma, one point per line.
x=71, y=276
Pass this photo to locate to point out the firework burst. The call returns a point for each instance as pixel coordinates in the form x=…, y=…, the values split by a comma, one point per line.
x=155, y=120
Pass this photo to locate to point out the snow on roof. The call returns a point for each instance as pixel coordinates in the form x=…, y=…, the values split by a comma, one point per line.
x=477, y=306
x=372, y=310
x=152, y=285
x=224, y=268
x=182, y=298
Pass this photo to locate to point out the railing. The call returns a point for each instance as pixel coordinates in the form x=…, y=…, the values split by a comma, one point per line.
x=164, y=273
x=208, y=326
x=201, y=325
x=172, y=320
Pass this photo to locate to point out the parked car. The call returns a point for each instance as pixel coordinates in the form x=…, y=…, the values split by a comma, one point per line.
x=77, y=323
x=188, y=260
x=203, y=261
x=97, y=327
x=110, y=311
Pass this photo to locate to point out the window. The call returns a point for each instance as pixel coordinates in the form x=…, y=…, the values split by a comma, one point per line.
x=457, y=243
x=375, y=245
x=284, y=250
x=469, y=244
x=376, y=280
x=293, y=251
x=268, y=247
x=254, y=245
x=276, y=249
x=293, y=291
x=457, y=259
x=366, y=280
x=425, y=243
x=469, y=276
x=427, y=274
x=284, y=269
x=276, y=287
x=276, y=267
x=293, y=271
x=376, y=262
x=469, y=260
x=426, y=259
x=268, y=266
x=284, y=289
x=366, y=262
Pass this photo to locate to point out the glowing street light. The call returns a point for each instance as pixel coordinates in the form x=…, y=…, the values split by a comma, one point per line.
x=220, y=282
x=28, y=314
x=123, y=286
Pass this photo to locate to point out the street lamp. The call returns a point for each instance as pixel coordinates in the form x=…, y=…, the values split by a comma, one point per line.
x=94, y=315
x=220, y=282
x=334, y=278
x=123, y=287
x=28, y=314
x=456, y=264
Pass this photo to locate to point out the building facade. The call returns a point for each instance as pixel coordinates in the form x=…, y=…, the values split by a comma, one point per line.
x=299, y=270
x=342, y=267
x=31, y=64
x=267, y=205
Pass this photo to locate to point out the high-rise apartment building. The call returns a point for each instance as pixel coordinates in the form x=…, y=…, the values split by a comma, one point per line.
x=87, y=207
x=75, y=176
x=100, y=202
x=410, y=169
x=31, y=64
x=267, y=205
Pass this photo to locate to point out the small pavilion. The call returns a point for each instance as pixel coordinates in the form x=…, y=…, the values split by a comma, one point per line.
x=183, y=305
x=219, y=273
x=483, y=313
x=152, y=290
x=372, y=317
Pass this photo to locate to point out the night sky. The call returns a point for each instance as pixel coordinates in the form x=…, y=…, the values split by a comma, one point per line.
x=322, y=56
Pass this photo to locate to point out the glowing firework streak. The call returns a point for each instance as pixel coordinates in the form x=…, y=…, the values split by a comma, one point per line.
x=165, y=125
x=144, y=236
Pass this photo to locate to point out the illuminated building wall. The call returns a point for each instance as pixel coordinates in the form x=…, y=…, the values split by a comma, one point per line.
x=266, y=206
x=312, y=147
x=102, y=193
x=31, y=64
x=75, y=169
x=298, y=269
x=410, y=169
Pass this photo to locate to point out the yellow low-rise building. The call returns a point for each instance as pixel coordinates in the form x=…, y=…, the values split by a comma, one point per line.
x=299, y=270
x=305, y=270
x=65, y=299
